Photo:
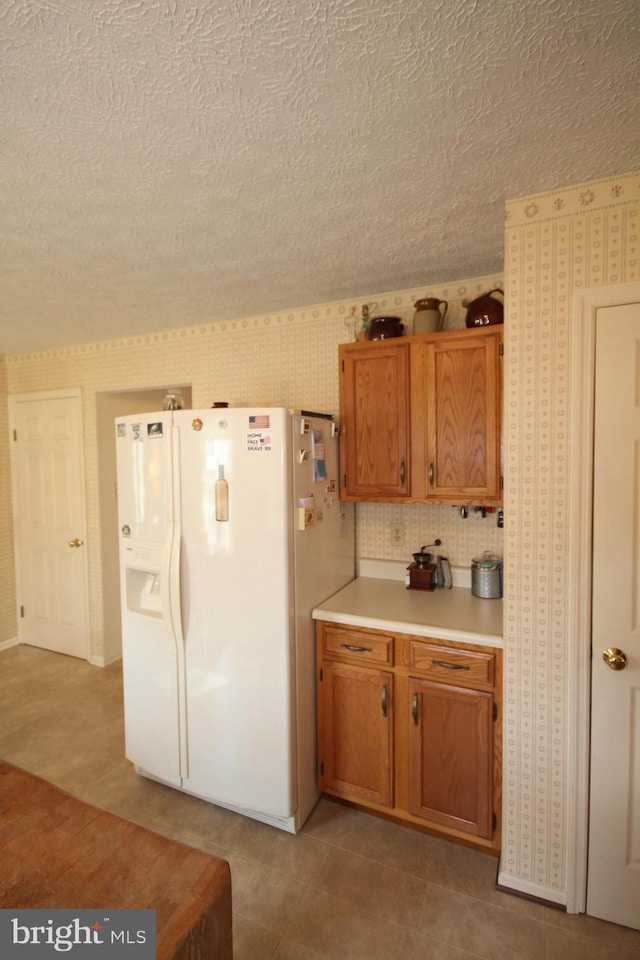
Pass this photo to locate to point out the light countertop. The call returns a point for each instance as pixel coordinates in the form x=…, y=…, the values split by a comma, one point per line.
x=386, y=604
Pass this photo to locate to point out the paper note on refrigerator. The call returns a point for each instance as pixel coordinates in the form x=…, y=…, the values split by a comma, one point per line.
x=318, y=455
x=307, y=515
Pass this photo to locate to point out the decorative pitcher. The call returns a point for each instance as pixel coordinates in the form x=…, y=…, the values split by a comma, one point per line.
x=428, y=316
x=484, y=310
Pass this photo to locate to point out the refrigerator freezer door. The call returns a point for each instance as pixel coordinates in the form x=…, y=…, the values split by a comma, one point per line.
x=150, y=662
x=144, y=475
x=237, y=608
x=150, y=652
x=151, y=732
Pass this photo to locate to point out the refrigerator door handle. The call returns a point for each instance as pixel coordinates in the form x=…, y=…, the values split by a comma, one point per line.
x=165, y=589
x=175, y=606
x=178, y=636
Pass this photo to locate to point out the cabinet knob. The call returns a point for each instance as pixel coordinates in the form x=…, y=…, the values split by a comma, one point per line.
x=431, y=473
x=403, y=471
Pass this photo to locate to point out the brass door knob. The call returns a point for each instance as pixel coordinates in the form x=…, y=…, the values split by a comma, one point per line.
x=76, y=542
x=614, y=658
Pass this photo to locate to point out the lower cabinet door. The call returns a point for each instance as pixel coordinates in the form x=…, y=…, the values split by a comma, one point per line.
x=451, y=756
x=355, y=723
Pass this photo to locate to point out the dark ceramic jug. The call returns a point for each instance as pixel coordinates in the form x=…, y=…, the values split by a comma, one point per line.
x=382, y=327
x=485, y=309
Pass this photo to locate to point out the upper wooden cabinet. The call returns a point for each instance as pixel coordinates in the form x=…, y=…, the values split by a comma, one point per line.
x=374, y=419
x=420, y=418
x=459, y=437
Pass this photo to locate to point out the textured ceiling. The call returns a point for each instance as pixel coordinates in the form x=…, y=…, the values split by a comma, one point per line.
x=165, y=163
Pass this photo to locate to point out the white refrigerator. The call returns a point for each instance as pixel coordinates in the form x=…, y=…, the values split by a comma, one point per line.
x=231, y=531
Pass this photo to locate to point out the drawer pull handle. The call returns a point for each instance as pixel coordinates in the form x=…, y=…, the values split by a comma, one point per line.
x=355, y=649
x=414, y=709
x=450, y=666
x=383, y=700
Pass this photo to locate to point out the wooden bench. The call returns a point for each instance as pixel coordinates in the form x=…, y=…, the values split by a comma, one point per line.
x=57, y=851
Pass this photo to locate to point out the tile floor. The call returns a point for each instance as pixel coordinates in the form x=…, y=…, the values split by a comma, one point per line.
x=348, y=886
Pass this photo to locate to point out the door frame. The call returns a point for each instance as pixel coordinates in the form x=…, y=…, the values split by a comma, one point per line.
x=74, y=393
x=580, y=514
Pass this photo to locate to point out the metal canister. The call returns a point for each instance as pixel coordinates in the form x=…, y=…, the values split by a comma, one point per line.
x=486, y=576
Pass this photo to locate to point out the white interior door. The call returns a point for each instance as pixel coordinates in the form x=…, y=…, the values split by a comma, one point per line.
x=613, y=889
x=49, y=522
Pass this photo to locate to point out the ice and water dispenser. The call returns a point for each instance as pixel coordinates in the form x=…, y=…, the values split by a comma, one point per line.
x=142, y=565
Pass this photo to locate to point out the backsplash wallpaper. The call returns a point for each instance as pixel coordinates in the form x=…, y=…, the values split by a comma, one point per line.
x=462, y=538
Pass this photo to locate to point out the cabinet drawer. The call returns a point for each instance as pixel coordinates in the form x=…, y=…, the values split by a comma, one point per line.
x=452, y=665
x=357, y=645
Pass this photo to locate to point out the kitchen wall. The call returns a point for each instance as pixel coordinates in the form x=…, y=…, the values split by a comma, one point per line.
x=557, y=244
x=288, y=358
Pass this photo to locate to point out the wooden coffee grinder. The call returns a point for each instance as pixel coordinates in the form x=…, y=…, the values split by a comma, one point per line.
x=422, y=573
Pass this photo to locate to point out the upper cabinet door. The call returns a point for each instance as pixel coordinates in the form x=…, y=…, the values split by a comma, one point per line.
x=374, y=420
x=461, y=375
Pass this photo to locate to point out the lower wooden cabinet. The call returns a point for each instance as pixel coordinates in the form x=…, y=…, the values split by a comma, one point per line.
x=357, y=735
x=451, y=757
x=410, y=727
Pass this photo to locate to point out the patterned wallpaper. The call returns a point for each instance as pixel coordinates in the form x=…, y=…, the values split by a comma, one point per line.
x=287, y=359
x=556, y=243
x=7, y=571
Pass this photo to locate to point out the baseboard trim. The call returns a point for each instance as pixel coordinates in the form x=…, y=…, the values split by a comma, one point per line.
x=103, y=661
x=531, y=890
x=5, y=644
